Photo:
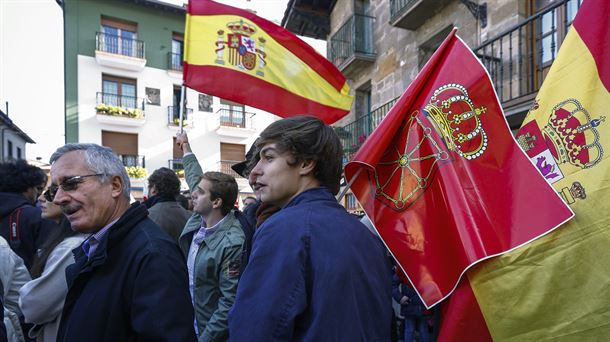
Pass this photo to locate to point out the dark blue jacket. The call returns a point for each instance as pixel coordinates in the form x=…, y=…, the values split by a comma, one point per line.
x=414, y=307
x=31, y=230
x=315, y=274
x=134, y=288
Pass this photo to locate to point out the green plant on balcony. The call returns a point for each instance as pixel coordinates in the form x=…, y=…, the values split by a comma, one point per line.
x=134, y=113
x=136, y=172
x=177, y=122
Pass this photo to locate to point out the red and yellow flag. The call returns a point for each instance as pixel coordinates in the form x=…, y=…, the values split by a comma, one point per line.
x=558, y=287
x=238, y=56
x=443, y=179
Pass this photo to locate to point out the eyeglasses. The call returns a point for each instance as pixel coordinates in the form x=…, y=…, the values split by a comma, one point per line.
x=69, y=184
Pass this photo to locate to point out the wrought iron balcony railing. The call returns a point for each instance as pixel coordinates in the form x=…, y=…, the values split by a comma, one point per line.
x=174, y=61
x=175, y=164
x=225, y=167
x=173, y=116
x=119, y=105
x=354, y=134
x=119, y=45
x=518, y=59
x=235, y=118
x=353, y=41
x=133, y=160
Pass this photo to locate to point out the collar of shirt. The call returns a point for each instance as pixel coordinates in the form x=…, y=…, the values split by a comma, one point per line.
x=203, y=231
x=90, y=245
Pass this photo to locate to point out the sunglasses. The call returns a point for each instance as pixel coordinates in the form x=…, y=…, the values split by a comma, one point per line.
x=69, y=184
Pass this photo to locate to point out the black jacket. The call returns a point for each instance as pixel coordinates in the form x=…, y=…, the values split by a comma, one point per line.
x=134, y=287
x=31, y=229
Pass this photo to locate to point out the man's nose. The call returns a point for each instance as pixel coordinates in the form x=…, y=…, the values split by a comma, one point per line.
x=60, y=197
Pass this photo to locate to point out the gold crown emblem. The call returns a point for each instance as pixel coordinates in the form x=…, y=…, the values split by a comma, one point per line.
x=573, y=135
x=456, y=119
x=241, y=27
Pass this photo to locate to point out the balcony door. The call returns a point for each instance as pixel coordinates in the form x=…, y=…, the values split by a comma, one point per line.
x=177, y=51
x=119, y=37
x=125, y=145
x=119, y=91
x=550, y=29
x=229, y=155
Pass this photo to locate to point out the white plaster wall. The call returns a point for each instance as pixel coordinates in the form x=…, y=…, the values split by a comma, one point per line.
x=155, y=136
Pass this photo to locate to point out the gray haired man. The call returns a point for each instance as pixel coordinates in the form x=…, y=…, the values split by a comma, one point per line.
x=129, y=281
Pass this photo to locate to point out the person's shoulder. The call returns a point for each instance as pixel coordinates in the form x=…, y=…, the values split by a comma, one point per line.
x=234, y=232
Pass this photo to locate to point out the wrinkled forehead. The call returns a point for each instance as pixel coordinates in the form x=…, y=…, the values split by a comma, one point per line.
x=70, y=164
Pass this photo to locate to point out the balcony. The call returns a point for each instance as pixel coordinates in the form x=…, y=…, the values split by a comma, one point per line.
x=519, y=58
x=119, y=110
x=411, y=14
x=175, y=164
x=130, y=160
x=354, y=134
x=224, y=166
x=118, y=52
x=173, y=117
x=235, y=123
x=351, y=47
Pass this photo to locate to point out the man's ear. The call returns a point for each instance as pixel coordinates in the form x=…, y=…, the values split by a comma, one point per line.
x=307, y=167
x=217, y=203
x=117, y=186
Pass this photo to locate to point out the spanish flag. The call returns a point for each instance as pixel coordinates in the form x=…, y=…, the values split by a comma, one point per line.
x=443, y=179
x=238, y=56
x=558, y=287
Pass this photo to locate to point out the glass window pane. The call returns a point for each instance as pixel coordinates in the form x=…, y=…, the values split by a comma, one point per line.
x=547, y=54
x=128, y=92
x=547, y=22
x=109, y=92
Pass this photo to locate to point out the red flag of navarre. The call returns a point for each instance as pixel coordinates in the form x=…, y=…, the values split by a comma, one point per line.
x=443, y=179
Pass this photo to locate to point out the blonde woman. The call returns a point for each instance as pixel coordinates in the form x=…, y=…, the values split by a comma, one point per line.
x=42, y=299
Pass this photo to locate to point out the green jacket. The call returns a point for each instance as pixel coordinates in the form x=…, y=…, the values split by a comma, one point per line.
x=216, y=268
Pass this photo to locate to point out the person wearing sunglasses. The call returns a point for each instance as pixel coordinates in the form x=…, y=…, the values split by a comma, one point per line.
x=20, y=222
x=42, y=299
x=129, y=281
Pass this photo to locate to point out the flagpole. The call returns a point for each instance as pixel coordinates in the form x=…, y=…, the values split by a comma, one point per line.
x=182, y=105
x=348, y=185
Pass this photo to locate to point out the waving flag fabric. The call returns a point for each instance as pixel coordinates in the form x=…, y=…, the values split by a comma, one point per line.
x=235, y=55
x=443, y=179
x=558, y=287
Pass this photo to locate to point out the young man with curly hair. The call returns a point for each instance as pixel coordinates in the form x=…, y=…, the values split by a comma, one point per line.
x=315, y=273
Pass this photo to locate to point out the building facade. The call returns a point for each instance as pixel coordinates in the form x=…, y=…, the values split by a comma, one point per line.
x=123, y=67
x=12, y=140
x=381, y=46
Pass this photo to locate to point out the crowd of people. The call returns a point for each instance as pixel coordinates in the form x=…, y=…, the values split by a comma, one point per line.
x=79, y=262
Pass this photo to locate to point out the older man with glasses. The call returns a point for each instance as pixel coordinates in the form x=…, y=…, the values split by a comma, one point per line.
x=129, y=281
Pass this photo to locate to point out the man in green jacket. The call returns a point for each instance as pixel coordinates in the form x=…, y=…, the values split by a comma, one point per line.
x=212, y=243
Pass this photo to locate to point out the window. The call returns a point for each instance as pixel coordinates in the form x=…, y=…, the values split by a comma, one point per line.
x=9, y=147
x=232, y=114
x=18, y=152
x=120, y=37
x=118, y=91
